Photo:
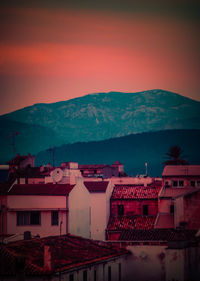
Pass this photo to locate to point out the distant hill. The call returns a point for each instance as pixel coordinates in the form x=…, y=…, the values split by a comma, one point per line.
x=133, y=151
x=96, y=117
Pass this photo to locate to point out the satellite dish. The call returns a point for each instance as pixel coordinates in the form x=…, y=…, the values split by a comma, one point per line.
x=57, y=175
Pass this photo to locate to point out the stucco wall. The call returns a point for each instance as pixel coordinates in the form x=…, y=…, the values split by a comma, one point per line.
x=79, y=210
x=98, y=215
x=164, y=205
x=44, y=229
x=134, y=207
x=146, y=263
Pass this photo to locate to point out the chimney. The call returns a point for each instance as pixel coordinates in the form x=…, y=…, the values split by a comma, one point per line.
x=48, y=261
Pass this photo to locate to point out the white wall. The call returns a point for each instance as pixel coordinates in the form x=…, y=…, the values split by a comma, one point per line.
x=79, y=210
x=44, y=229
x=98, y=215
x=41, y=203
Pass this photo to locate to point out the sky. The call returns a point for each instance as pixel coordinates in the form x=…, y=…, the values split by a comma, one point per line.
x=57, y=50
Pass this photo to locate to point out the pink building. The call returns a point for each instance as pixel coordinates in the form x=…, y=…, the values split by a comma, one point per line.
x=132, y=207
x=41, y=209
x=179, y=182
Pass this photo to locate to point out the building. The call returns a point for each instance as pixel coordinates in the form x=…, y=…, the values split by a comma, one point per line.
x=179, y=183
x=89, y=208
x=41, y=209
x=162, y=254
x=22, y=161
x=132, y=207
x=102, y=170
x=65, y=257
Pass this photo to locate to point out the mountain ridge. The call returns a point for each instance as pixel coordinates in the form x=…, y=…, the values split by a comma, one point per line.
x=101, y=116
x=133, y=150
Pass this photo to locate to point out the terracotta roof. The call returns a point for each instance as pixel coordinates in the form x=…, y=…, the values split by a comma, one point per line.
x=68, y=252
x=96, y=186
x=162, y=235
x=41, y=189
x=134, y=192
x=181, y=170
x=173, y=192
x=133, y=222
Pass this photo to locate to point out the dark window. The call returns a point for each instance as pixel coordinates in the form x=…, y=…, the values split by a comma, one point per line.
x=198, y=183
x=171, y=209
x=175, y=183
x=109, y=273
x=120, y=272
x=181, y=183
x=95, y=275
x=192, y=183
x=71, y=277
x=145, y=210
x=28, y=218
x=85, y=275
x=120, y=210
x=54, y=218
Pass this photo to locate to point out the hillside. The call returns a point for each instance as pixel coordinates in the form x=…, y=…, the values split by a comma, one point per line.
x=133, y=151
x=108, y=115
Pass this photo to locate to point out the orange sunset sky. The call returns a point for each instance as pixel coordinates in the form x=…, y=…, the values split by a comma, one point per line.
x=56, y=51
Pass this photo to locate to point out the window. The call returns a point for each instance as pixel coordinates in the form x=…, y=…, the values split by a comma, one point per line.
x=175, y=183
x=145, y=210
x=71, y=277
x=171, y=209
x=120, y=210
x=85, y=275
x=28, y=218
x=109, y=273
x=54, y=218
x=181, y=183
x=120, y=272
x=192, y=183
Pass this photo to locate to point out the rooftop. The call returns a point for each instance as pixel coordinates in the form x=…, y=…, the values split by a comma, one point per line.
x=68, y=251
x=165, y=221
x=181, y=170
x=41, y=189
x=132, y=222
x=95, y=186
x=173, y=192
x=159, y=235
x=135, y=192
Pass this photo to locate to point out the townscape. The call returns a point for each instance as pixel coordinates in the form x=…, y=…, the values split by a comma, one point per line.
x=94, y=222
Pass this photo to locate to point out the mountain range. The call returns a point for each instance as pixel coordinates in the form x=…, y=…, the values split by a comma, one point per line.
x=96, y=117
